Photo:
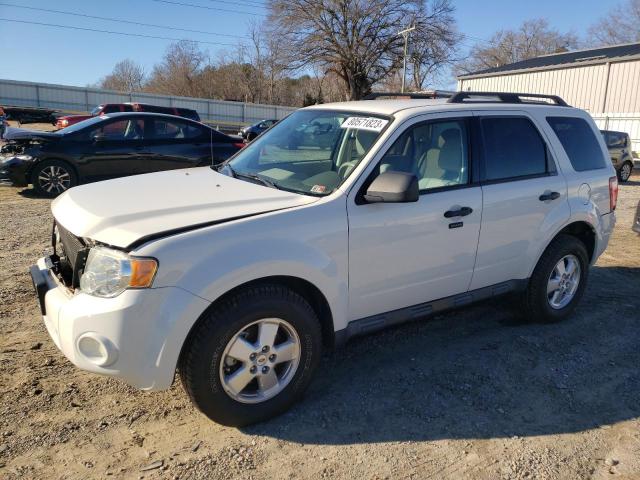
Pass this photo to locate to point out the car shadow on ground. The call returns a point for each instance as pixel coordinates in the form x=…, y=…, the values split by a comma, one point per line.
x=30, y=192
x=478, y=373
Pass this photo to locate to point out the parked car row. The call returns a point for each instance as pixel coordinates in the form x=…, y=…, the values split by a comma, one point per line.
x=106, y=108
x=109, y=146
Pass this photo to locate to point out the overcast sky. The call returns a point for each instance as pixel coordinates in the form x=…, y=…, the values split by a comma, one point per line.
x=50, y=54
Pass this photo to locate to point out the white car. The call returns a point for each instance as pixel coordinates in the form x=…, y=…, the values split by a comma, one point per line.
x=387, y=211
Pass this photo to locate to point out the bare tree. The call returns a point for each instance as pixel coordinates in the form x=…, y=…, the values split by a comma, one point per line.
x=433, y=43
x=620, y=25
x=179, y=71
x=127, y=76
x=357, y=40
x=532, y=39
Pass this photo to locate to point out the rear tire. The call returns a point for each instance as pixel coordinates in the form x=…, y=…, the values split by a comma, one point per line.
x=53, y=177
x=552, y=294
x=232, y=329
x=625, y=171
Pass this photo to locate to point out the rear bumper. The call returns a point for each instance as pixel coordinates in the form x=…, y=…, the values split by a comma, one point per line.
x=607, y=224
x=131, y=336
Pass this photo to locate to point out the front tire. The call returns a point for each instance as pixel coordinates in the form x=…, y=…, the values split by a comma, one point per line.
x=53, y=177
x=252, y=356
x=558, y=281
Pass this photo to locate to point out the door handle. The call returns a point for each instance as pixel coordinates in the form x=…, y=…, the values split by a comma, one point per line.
x=549, y=196
x=461, y=212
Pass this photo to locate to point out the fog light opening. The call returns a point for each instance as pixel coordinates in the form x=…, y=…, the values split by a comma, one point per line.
x=97, y=349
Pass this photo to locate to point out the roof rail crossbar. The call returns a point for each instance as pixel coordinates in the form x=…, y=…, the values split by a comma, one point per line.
x=411, y=95
x=504, y=97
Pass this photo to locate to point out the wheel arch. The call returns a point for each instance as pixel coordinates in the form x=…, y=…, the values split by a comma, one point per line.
x=580, y=229
x=33, y=167
x=302, y=287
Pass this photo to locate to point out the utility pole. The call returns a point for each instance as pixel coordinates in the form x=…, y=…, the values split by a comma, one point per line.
x=405, y=33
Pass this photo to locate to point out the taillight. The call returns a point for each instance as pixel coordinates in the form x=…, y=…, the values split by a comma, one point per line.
x=64, y=123
x=239, y=145
x=613, y=193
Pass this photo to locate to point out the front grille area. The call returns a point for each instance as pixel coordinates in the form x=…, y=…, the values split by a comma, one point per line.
x=71, y=255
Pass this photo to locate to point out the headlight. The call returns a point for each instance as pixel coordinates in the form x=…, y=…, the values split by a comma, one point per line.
x=25, y=158
x=109, y=272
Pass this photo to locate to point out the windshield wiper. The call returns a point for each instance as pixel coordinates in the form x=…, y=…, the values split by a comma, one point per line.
x=257, y=178
x=251, y=176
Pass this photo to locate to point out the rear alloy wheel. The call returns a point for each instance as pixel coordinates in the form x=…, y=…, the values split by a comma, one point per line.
x=51, y=178
x=558, y=281
x=625, y=172
x=563, y=282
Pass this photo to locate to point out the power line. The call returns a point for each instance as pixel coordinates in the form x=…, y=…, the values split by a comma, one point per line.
x=193, y=5
x=247, y=3
x=110, y=19
x=70, y=27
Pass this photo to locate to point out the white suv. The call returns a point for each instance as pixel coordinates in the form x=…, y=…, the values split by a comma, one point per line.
x=340, y=220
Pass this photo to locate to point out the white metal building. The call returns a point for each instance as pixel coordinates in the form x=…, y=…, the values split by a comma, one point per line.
x=603, y=81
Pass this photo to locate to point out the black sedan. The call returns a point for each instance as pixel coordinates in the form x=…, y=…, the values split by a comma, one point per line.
x=252, y=131
x=109, y=146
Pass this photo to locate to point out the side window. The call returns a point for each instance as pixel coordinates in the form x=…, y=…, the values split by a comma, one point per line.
x=513, y=148
x=120, y=130
x=579, y=143
x=174, y=129
x=435, y=152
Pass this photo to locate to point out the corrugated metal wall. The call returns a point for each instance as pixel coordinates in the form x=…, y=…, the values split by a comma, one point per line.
x=582, y=87
x=78, y=99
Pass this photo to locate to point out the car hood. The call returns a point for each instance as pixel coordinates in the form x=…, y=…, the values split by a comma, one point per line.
x=126, y=211
x=17, y=134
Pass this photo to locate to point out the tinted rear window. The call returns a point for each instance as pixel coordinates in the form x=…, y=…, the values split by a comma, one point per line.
x=579, y=142
x=512, y=148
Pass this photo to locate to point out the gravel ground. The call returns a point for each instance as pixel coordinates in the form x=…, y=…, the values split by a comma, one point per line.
x=469, y=394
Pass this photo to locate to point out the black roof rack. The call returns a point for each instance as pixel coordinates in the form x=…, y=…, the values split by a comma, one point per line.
x=505, y=97
x=410, y=95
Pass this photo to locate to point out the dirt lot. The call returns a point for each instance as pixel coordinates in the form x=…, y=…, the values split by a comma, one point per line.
x=470, y=394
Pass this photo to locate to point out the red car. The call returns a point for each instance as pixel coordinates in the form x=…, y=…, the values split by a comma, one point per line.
x=105, y=108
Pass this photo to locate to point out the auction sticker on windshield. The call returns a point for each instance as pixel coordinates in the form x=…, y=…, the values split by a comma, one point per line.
x=365, y=123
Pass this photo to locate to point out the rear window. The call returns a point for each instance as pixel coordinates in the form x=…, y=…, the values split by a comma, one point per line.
x=579, y=143
x=513, y=148
x=615, y=139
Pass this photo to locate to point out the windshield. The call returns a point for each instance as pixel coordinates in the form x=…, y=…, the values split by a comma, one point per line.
x=96, y=110
x=310, y=152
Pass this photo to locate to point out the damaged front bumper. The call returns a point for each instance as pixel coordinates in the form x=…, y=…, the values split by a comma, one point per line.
x=14, y=170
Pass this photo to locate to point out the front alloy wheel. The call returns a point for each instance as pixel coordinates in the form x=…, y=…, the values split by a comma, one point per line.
x=260, y=360
x=52, y=177
x=251, y=355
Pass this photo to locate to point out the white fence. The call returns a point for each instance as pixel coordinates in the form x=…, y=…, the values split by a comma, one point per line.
x=81, y=99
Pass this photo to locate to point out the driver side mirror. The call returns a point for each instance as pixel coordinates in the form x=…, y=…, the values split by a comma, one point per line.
x=393, y=187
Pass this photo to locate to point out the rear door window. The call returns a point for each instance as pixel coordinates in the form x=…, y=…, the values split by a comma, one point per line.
x=170, y=129
x=579, y=143
x=513, y=149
